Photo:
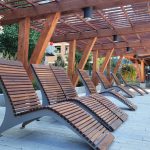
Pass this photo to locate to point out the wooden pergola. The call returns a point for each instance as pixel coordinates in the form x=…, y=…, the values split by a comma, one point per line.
x=63, y=21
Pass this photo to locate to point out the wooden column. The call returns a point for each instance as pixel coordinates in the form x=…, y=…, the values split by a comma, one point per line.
x=45, y=37
x=71, y=59
x=138, y=69
x=142, y=71
x=109, y=70
x=23, y=41
x=95, y=67
x=84, y=59
x=107, y=59
x=118, y=64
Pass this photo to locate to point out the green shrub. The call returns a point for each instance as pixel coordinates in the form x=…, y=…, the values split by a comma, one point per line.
x=128, y=72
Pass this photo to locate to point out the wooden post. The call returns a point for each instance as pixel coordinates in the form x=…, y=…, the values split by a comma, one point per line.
x=23, y=41
x=84, y=59
x=44, y=38
x=109, y=70
x=107, y=59
x=142, y=71
x=138, y=69
x=118, y=64
x=95, y=68
x=71, y=59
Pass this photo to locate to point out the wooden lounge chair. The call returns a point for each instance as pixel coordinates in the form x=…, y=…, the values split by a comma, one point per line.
x=134, y=87
x=53, y=81
x=22, y=104
x=107, y=86
x=90, y=88
x=119, y=84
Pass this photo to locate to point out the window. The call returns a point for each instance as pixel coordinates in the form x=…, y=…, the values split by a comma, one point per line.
x=58, y=49
x=66, y=49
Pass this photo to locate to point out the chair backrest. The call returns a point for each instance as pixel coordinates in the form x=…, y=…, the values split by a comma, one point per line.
x=49, y=84
x=64, y=81
x=115, y=79
x=18, y=87
x=104, y=80
x=87, y=81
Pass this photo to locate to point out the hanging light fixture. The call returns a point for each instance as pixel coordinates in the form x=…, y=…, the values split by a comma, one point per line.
x=88, y=11
x=115, y=38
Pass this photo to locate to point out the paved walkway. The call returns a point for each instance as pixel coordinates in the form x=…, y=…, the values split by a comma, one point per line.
x=48, y=134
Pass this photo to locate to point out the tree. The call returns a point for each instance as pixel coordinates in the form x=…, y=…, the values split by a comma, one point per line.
x=9, y=41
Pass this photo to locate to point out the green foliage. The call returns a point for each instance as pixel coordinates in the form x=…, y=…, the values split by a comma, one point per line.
x=113, y=63
x=9, y=41
x=101, y=61
x=34, y=36
x=78, y=57
x=60, y=61
x=128, y=72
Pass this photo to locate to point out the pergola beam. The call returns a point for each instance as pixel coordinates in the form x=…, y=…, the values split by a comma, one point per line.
x=101, y=33
x=43, y=40
x=84, y=59
x=121, y=45
x=118, y=64
x=107, y=59
x=95, y=67
x=108, y=68
x=63, y=6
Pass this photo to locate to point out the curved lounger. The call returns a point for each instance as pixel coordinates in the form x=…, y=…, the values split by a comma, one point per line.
x=119, y=84
x=90, y=88
x=22, y=104
x=108, y=86
x=134, y=87
x=47, y=76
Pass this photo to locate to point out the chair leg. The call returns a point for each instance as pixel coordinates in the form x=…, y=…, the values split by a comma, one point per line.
x=28, y=122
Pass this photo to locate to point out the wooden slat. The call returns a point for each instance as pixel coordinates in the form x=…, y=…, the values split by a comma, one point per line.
x=49, y=84
x=18, y=86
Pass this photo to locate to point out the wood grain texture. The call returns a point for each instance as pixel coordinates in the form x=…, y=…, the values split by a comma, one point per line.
x=23, y=41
